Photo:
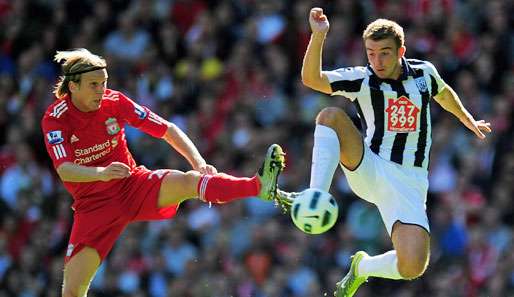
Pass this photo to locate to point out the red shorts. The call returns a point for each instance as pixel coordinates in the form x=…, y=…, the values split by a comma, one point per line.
x=99, y=228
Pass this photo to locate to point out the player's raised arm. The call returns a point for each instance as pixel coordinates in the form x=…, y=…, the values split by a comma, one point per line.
x=312, y=76
x=449, y=100
x=70, y=172
x=182, y=144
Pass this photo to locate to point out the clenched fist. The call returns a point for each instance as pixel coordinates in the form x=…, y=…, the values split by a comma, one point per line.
x=318, y=21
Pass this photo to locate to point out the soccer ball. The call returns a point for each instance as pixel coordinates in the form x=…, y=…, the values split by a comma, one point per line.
x=314, y=211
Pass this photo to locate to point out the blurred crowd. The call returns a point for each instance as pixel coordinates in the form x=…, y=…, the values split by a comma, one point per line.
x=227, y=72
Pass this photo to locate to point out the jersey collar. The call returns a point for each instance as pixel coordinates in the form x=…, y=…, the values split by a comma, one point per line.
x=406, y=72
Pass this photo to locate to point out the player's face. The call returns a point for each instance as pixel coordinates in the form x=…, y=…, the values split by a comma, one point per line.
x=384, y=57
x=87, y=95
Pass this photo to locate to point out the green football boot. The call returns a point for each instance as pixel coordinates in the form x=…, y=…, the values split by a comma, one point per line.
x=268, y=174
x=351, y=282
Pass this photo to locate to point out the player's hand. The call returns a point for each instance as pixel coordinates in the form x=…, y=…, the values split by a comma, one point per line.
x=206, y=169
x=318, y=21
x=478, y=127
x=115, y=170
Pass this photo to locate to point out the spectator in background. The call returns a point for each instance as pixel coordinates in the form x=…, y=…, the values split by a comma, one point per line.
x=128, y=43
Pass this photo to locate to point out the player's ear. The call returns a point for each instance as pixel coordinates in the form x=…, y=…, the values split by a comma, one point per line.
x=401, y=51
x=72, y=86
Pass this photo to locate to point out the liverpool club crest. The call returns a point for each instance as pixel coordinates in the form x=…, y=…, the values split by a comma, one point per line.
x=112, y=126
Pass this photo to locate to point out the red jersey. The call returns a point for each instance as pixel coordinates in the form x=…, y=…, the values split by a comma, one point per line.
x=96, y=139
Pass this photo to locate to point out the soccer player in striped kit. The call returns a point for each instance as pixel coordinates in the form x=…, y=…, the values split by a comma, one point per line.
x=85, y=138
x=389, y=167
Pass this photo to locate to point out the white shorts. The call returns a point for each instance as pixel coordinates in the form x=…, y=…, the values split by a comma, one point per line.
x=399, y=192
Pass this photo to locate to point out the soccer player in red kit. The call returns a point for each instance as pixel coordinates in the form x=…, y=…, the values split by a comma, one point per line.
x=84, y=136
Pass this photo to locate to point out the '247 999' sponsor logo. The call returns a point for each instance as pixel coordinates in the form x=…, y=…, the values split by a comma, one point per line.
x=402, y=115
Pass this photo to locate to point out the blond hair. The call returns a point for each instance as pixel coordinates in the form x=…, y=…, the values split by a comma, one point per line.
x=73, y=64
x=382, y=29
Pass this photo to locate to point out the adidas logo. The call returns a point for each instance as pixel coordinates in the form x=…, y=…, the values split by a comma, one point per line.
x=74, y=138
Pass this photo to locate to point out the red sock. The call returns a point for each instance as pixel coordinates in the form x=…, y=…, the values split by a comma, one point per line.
x=223, y=188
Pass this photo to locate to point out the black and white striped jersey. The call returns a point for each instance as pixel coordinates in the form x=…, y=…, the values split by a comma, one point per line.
x=395, y=113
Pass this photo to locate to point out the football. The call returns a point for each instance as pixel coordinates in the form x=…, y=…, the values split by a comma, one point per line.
x=314, y=211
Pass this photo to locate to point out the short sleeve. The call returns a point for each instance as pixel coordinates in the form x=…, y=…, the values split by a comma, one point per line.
x=346, y=81
x=141, y=117
x=437, y=83
x=57, y=141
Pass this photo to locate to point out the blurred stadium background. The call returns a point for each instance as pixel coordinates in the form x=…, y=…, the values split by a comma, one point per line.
x=227, y=72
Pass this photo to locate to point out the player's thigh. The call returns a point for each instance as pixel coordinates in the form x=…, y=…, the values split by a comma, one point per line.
x=178, y=186
x=350, y=139
x=79, y=271
x=412, y=245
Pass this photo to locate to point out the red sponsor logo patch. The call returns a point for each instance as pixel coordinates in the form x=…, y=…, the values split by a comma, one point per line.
x=402, y=115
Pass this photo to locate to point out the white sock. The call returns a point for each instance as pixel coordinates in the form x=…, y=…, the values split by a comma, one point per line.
x=384, y=266
x=325, y=157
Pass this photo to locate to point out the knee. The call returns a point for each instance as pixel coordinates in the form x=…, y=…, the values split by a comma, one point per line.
x=192, y=177
x=187, y=181
x=68, y=291
x=412, y=267
x=330, y=117
x=76, y=290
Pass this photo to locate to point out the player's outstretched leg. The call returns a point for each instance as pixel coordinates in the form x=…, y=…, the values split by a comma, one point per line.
x=222, y=188
x=273, y=164
x=351, y=282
